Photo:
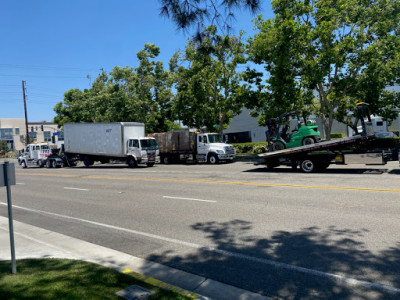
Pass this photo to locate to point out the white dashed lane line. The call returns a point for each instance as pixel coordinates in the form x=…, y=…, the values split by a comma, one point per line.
x=189, y=199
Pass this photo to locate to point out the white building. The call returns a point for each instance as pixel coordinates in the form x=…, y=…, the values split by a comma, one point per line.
x=244, y=128
x=13, y=131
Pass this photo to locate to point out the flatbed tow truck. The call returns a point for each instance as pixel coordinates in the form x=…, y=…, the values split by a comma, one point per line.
x=364, y=148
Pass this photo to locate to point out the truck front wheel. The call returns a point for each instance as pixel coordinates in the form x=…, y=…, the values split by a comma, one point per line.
x=132, y=162
x=23, y=164
x=308, y=165
x=48, y=163
x=213, y=159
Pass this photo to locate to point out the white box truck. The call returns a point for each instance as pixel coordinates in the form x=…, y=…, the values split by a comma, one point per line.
x=122, y=141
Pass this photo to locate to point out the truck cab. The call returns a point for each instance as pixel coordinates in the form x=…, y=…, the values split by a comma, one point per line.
x=34, y=155
x=143, y=151
x=212, y=148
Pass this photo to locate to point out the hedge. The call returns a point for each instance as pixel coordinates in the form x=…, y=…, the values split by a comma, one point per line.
x=253, y=148
x=337, y=135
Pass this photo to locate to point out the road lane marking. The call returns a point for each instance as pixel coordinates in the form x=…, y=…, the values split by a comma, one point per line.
x=220, y=182
x=77, y=189
x=20, y=183
x=330, y=276
x=190, y=199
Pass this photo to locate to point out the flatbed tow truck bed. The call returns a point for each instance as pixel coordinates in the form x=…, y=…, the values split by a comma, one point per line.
x=318, y=156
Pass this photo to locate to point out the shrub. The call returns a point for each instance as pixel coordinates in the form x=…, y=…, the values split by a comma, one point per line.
x=337, y=135
x=253, y=148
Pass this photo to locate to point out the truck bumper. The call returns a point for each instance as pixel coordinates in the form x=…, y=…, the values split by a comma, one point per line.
x=149, y=159
x=226, y=156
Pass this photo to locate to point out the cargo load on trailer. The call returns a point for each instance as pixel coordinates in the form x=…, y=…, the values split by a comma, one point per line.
x=191, y=146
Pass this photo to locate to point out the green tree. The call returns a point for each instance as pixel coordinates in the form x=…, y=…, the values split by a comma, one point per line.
x=207, y=81
x=142, y=95
x=333, y=51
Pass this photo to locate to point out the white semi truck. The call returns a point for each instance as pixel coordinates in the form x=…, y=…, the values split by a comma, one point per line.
x=122, y=141
x=34, y=155
x=186, y=145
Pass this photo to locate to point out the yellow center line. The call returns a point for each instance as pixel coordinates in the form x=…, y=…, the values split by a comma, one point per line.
x=220, y=182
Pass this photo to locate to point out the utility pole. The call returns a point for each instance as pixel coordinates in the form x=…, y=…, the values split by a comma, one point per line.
x=26, y=114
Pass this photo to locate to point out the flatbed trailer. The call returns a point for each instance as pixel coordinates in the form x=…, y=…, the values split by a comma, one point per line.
x=364, y=148
x=317, y=157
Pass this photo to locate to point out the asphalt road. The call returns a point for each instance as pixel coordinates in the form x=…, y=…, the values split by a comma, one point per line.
x=280, y=233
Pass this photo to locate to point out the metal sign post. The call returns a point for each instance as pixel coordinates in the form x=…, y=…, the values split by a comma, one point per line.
x=7, y=178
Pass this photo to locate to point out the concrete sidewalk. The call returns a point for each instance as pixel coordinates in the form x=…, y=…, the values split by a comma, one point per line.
x=35, y=242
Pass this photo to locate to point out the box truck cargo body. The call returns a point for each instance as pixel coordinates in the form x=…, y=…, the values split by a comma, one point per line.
x=124, y=141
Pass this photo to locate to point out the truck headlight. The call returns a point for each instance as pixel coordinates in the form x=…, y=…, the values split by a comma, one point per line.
x=220, y=151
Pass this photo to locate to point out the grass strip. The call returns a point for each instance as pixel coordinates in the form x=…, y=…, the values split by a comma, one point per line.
x=52, y=278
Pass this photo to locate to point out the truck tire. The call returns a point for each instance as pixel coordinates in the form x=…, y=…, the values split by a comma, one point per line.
x=212, y=159
x=308, y=165
x=87, y=161
x=23, y=164
x=278, y=145
x=40, y=163
x=308, y=141
x=48, y=164
x=54, y=164
x=166, y=160
x=131, y=162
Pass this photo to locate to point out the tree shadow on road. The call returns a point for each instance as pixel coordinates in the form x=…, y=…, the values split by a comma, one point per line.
x=292, y=265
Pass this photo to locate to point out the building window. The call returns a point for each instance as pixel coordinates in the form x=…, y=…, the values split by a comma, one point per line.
x=6, y=134
x=239, y=137
x=61, y=135
x=47, y=136
x=22, y=138
x=16, y=131
x=33, y=135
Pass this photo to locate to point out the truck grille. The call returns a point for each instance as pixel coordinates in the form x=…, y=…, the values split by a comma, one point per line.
x=230, y=150
x=151, y=155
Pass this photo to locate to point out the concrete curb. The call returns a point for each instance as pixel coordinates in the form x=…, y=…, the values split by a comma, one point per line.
x=35, y=242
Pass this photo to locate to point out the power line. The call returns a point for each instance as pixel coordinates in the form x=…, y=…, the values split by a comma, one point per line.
x=48, y=68
x=41, y=76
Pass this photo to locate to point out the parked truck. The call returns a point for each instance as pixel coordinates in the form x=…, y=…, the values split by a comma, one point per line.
x=103, y=142
x=186, y=145
x=365, y=148
x=34, y=155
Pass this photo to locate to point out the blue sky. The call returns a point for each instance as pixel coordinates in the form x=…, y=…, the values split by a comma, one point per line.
x=54, y=45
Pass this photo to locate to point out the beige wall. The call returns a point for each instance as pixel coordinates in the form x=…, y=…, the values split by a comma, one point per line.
x=16, y=124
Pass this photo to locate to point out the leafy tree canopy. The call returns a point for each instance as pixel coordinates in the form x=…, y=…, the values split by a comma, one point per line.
x=207, y=81
x=125, y=94
x=327, y=54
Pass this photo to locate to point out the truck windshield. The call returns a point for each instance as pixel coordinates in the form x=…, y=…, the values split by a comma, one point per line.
x=215, y=138
x=148, y=144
